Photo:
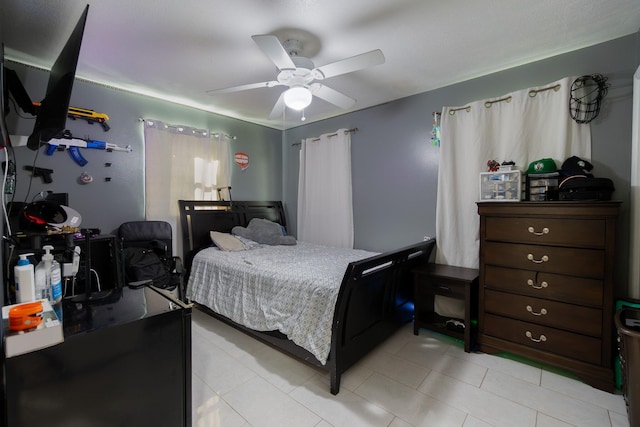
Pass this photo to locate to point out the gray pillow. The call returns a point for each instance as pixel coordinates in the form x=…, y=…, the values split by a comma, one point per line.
x=264, y=231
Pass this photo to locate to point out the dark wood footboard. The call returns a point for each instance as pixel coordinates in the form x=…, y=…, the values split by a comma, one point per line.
x=375, y=297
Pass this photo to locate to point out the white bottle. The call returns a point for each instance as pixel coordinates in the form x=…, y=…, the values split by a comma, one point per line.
x=54, y=276
x=42, y=281
x=56, y=282
x=25, y=280
x=43, y=269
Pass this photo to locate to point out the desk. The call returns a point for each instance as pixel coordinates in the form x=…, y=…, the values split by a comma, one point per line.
x=125, y=361
x=453, y=282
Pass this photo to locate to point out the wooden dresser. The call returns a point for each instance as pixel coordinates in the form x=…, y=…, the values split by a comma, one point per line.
x=546, y=284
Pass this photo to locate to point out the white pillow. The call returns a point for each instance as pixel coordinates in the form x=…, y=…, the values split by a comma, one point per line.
x=226, y=241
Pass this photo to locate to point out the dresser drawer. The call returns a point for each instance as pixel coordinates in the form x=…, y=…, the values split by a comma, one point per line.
x=556, y=314
x=544, y=338
x=551, y=259
x=544, y=231
x=558, y=287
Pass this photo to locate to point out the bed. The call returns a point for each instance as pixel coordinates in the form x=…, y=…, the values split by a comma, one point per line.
x=373, y=292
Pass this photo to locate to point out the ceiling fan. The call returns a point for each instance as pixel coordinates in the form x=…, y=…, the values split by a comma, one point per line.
x=302, y=77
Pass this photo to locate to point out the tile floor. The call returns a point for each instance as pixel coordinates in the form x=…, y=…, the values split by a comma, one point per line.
x=425, y=380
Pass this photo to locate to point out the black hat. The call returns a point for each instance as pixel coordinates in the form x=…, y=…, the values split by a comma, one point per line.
x=576, y=166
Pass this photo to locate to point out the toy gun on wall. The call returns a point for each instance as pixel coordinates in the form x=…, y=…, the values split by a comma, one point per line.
x=43, y=173
x=75, y=144
x=90, y=116
x=81, y=113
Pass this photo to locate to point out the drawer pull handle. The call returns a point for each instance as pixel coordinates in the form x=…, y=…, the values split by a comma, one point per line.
x=538, y=261
x=538, y=233
x=534, y=286
x=530, y=336
x=541, y=313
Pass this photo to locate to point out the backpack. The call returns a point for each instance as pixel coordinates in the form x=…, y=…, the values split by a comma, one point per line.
x=141, y=264
x=586, y=188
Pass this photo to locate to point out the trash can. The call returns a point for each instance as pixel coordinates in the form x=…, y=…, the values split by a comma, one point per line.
x=627, y=322
x=620, y=304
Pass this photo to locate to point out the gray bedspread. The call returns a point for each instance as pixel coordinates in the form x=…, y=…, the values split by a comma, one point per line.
x=292, y=289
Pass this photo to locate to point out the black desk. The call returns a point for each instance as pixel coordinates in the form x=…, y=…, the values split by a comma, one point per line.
x=124, y=362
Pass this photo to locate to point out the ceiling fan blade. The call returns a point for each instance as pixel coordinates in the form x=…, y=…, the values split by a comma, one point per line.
x=278, y=107
x=243, y=87
x=271, y=46
x=349, y=65
x=332, y=96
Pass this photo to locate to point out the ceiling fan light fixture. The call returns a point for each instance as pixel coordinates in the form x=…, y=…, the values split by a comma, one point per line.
x=297, y=98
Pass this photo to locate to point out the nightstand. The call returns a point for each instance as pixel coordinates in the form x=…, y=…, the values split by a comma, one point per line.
x=449, y=281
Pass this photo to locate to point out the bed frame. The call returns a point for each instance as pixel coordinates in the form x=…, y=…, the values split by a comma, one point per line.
x=375, y=297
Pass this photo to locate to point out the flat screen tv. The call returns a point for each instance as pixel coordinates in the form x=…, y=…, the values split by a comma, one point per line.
x=52, y=114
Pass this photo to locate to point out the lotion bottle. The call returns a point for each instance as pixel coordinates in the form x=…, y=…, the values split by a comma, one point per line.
x=42, y=274
x=25, y=279
x=56, y=282
x=54, y=276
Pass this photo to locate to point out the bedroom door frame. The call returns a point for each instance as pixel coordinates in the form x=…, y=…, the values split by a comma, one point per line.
x=634, y=210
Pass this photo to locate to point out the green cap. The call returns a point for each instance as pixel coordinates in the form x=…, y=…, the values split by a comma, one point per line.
x=542, y=166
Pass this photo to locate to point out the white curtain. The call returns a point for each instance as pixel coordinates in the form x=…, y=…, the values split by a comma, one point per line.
x=182, y=163
x=325, y=208
x=522, y=126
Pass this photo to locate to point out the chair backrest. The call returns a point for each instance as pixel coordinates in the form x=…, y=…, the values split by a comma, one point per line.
x=144, y=233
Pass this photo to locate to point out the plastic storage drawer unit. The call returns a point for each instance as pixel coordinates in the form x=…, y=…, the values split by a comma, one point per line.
x=502, y=186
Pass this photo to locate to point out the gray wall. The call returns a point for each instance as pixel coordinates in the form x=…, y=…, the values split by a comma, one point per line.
x=106, y=205
x=395, y=165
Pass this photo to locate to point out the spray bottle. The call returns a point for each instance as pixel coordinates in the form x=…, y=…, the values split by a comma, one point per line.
x=25, y=279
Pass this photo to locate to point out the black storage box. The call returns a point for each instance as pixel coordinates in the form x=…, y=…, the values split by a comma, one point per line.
x=584, y=188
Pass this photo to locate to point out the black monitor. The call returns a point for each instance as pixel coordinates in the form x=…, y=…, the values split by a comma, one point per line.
x=52, y=114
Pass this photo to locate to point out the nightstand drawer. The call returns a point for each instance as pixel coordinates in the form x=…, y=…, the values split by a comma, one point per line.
x=554, y=231
x=544, y=338
x=435, y=286
x=577, y=290
x=559, y=315
x=552, y=259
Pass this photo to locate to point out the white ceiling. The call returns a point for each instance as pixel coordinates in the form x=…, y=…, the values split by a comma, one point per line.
x=178, y=50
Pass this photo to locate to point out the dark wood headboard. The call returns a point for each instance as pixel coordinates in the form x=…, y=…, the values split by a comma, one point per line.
x=198, y=217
